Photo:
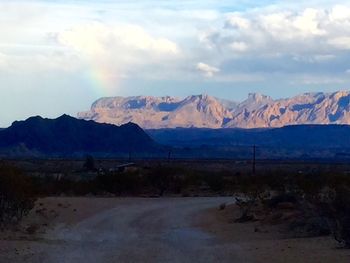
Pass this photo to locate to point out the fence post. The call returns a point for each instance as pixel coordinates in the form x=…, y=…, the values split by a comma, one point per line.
x=254, y=159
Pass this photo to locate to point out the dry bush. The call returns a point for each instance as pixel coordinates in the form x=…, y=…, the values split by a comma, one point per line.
x=336, y=208
x=222, y=206
x=16, y=195
x=89, y=163
x=322, y=201
x=118, y=183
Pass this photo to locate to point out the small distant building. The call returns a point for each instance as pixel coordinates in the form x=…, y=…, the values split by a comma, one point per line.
x=123, y=167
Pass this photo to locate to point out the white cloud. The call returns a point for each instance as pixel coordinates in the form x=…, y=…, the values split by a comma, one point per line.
x=323, y=57
x=318, y=80
x=238, y=22
x=99, y=38
x=317, y=58
x=310, y=30
x=206, y=70
x=119, y=50
x=340, y=13
x=340, y=42
x=308, y=23
x=126, y=40
x=282, y=41
x=3, y=61
x=239, y=46
x=32, y=62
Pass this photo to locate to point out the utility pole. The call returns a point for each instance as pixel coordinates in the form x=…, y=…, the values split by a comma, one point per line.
x=254, y=159
x=169, y=155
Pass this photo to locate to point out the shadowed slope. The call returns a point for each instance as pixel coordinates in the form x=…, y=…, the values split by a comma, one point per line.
x=300, y=136
x=67, y=135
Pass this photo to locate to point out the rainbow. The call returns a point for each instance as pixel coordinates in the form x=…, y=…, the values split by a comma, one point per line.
x=102, y=80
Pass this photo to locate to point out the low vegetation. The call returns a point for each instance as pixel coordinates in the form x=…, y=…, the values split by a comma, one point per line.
x=158, y=180
x=16, y=195
x=311, y=203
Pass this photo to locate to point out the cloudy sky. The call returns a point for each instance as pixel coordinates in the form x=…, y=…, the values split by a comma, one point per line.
x=59, y=56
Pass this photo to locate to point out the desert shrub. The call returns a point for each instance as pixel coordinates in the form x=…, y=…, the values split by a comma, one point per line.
x=281, y=198
x=164, y=178
x=325, y=203
x=191, y=178
x=16, y=195
x=222, y=206
x=118, y=182
x=89, y=163
x=322, y=198
x=84, y=188
x=246, y=206
x=275, y=180
x=215, y=181
x=309, y=184
x=310, y=226
x=252, y=188
x=337, y=210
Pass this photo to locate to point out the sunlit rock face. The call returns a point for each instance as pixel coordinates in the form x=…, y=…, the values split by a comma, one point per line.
x=160, y=112
x=146, y=111
x=205, y=111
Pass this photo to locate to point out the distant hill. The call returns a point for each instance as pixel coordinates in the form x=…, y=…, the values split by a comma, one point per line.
x=298, y=141
x=67, y=136
x=203, y=111
x=70, y=137
x=301, y=136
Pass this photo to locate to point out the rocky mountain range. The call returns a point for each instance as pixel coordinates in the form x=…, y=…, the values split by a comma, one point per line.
x=204, y=111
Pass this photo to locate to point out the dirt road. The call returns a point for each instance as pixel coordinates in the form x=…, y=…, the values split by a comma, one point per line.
x=138, y=230
x=90, y=229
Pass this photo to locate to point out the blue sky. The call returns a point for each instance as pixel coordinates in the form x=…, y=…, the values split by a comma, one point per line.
x=59, y=56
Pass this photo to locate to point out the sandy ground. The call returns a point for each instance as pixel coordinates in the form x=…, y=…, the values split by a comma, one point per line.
x=271, y=243
x=154, y=230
